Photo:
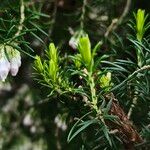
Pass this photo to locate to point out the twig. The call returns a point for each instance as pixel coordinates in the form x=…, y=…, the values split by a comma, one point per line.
x=126, y=130
x=94, y=97
x=53, y=18
x=135, y=97
x=117, y=21
x=136, y=93
x=22, y=18
x=146, y=67
x=132, y=105
x=83, y=14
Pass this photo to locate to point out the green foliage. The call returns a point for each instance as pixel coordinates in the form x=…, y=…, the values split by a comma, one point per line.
x=85, y=50
x=84, y=95
x=88, y=88
x=93, y=78
x=140, y=24
x=53, y=64
x=105, y=81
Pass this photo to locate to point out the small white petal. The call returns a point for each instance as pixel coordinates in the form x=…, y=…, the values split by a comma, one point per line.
x=3, y=76
x=73, y=43
x=15, y=63
x=14, y=70
x=4, y=68
x=19, y=63
x=18, y=59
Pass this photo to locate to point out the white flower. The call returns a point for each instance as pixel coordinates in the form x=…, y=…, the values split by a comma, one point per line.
x=12, y=63
x=4, y=66
x=15, y=63
x=73, y=42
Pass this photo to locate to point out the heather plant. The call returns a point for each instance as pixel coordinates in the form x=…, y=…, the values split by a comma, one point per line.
x=79, y=75
x=95, y=87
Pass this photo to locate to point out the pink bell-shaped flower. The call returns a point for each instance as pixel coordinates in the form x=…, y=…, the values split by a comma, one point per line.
x=15, y=63
x=4, y=66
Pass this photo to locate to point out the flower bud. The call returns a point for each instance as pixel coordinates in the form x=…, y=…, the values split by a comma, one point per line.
x=4, y=68
x=52, y=69
x=15, y=63
x=140, y=21
x=4, y=64
x=53, y=52
x=105, y=81
x=85, y=50
x=53, y=62
x=38, y=63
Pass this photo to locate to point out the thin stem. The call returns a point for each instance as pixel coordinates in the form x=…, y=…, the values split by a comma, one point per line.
x=132, y=105
x=136, y=93
x=83, y=14
x=22, y=17
x=146, y=67
x=93, y=91
x=117, y=21
x=139, y=57
x=139, y=62
x=53, y=20
x=94, y=96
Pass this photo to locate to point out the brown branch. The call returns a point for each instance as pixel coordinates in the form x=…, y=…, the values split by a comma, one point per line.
x=117, y=21
x=124, y=126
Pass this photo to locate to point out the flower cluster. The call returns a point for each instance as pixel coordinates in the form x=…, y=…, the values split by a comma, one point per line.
x=10, y=61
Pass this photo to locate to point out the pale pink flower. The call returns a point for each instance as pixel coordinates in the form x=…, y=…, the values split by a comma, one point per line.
x=15, y=63
x=4, y=66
